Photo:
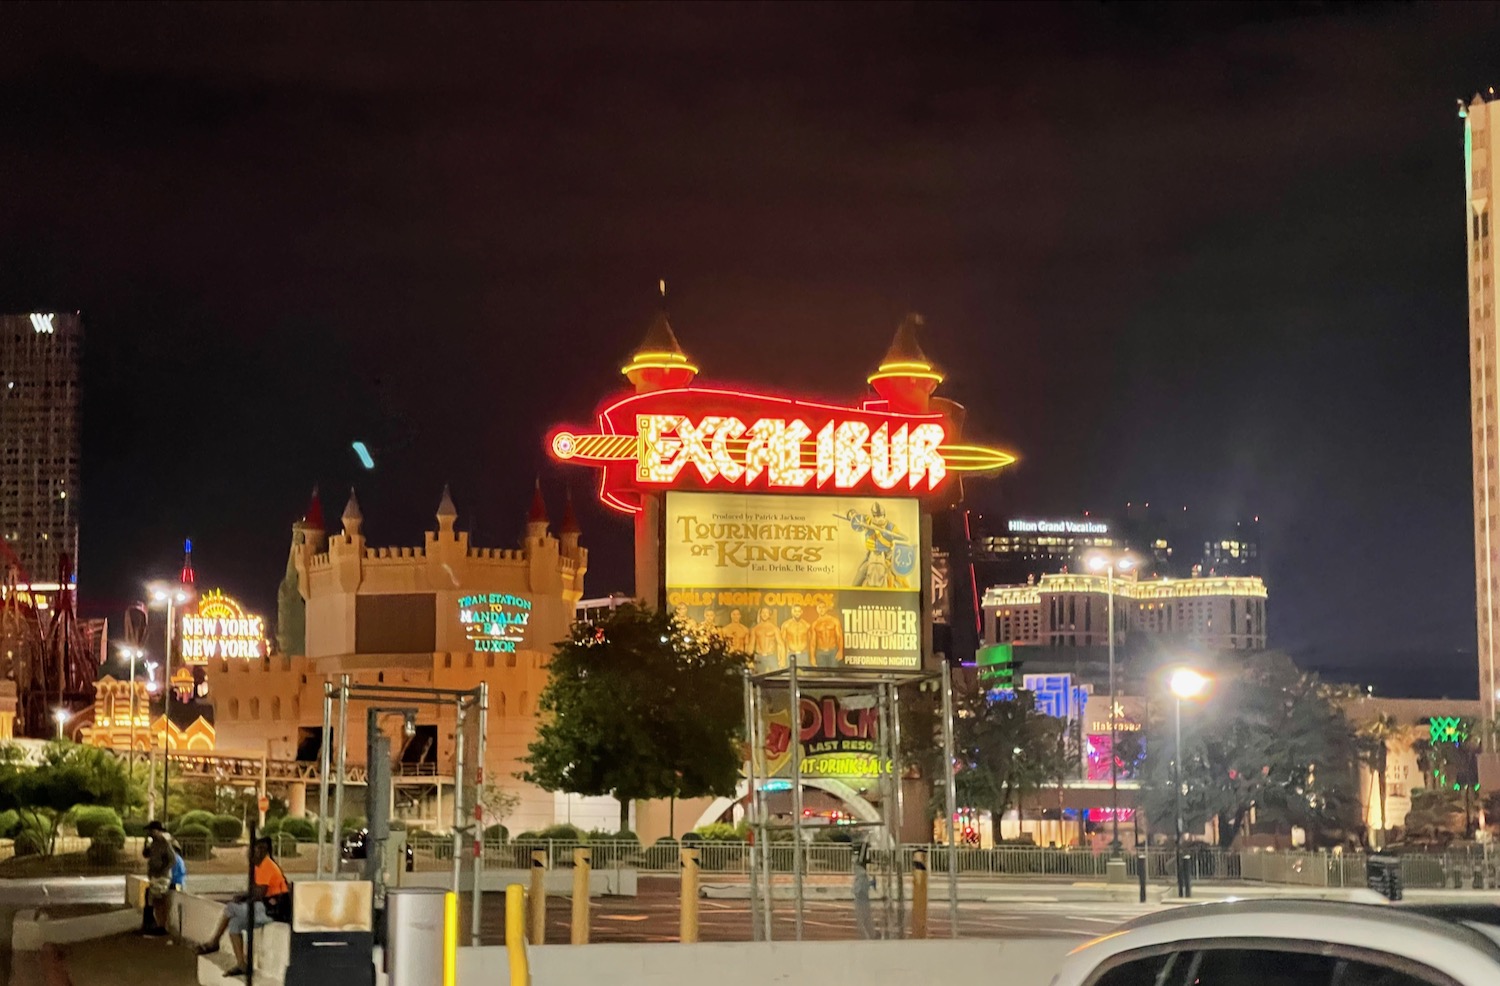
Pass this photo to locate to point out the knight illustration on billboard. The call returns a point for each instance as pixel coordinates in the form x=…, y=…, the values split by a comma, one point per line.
x=890, y=555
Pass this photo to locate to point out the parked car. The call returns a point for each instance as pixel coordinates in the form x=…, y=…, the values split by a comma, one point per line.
x=354, y=848
x=1287, y=942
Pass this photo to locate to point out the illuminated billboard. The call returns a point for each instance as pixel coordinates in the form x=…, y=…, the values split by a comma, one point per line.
x=708, y=439
x=839, y=736
x=822, y=581
x=220, y=629
x=495, y=622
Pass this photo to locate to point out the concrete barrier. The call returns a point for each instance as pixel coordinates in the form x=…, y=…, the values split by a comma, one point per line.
x=34, y=929
x=1024, y=962
x=273, y=947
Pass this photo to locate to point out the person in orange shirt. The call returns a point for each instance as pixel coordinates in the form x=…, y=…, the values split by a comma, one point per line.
x=268, y=901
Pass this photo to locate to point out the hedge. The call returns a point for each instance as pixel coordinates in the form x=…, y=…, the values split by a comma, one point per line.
x=205, y=819
x=496, y=833
x=300, y=829
x=282, y=845
x=88, y=819
x=10, y=824
x=197, y=841
x=227, y=829
x=105, y=845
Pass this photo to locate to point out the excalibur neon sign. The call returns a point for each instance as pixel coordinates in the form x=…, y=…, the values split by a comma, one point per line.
x=669, y=434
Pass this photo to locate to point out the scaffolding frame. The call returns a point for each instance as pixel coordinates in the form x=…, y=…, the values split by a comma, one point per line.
x=883, y=685
x=466, y=816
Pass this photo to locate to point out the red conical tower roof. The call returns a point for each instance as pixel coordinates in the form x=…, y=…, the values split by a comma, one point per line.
x=538, y=512
x=313, y=517
x=570, y=519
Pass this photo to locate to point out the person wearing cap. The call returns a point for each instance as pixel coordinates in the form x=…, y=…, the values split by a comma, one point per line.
x=160, y=858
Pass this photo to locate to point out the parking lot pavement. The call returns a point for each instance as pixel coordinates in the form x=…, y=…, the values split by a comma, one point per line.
x=653, y=917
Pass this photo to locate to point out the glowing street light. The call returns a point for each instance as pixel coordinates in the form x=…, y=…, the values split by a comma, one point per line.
x=168, y=596
x=132, y=654
x=61, y=716
x=1109, y=563
x=1184, y=683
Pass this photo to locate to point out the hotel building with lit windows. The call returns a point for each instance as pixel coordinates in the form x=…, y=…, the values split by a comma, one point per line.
x=1480, y=189
x=1221, y=613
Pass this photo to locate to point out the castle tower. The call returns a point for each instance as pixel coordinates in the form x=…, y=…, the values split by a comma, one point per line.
x=446, y=514
x=536, y=517
x=569, y=532
x=659, y=362
x=906, y=377
x=308, y=539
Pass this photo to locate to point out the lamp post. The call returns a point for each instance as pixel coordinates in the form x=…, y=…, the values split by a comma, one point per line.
x=1184, y=683
x=1109, y=563
x=168, y=596
x=60, y=716
x=133, y=653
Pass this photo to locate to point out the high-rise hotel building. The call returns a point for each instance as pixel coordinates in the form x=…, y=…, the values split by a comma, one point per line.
x=1480, y=186
x=39, y=441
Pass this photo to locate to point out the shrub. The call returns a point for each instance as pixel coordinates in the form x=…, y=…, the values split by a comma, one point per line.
x=272, y=826
x=563, y=833
x=496, y=833
x=663, y=853
x=422, y=836
x=10, y=824
x=611, y=846
x=105, y=845
x=527, y=836
x=88, y=819
x=352, y=825
x=716, y=832
x=692, y=836
x=300, y=829
x=197, y=841
x=204, y=819
x=282, y=845
x=833, y=833
x=134, y=827
x=30, y=842
x=226, y=829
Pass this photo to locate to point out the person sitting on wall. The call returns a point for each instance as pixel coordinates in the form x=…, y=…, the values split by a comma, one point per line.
x=268, y=901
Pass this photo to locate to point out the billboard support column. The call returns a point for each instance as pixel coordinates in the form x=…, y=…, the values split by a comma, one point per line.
x=950, y=794
x=762, y=812
x=648, y=568
x=752, y=813
x=926, y=593
x=898, y=865
x=796, y=745
x=338, y=791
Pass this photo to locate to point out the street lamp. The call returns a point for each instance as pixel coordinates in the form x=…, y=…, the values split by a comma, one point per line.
x=168, y=596
x=1185, y=683
x=1108, y=563
x=133, y=654
x=61, y=716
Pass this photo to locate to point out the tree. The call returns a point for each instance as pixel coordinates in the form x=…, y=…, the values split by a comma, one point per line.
x=1005, y=749
x=1435, y=816
x=67, y=775
x=640, y=707
x=1376, y=737
x=497, y=802
x=1268, y=738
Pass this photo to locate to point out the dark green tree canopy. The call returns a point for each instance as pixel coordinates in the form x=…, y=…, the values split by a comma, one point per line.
x=1267, y=737
x=640, y=707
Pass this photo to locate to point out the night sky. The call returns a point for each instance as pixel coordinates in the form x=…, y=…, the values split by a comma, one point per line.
x=1209, y=257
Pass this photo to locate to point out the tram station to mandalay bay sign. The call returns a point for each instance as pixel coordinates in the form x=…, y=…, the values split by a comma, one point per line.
x=797, y=527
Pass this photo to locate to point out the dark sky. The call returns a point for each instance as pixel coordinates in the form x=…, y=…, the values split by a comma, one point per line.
x=1207, y=255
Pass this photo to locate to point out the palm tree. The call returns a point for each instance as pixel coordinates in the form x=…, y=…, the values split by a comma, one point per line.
x=1376, y=737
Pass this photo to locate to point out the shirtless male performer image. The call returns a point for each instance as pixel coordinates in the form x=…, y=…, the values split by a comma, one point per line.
x=736, y=634
x=765, y=643
x=798, y=641
x=828, y=639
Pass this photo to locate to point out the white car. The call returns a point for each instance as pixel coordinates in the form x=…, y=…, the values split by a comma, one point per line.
x=1288, y=942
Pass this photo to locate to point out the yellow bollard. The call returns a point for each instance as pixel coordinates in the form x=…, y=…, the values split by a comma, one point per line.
x=539, y=897
x=582, y=858
x=450, y=939
x=688, y=929
x=919, y=893
x=515, y=935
